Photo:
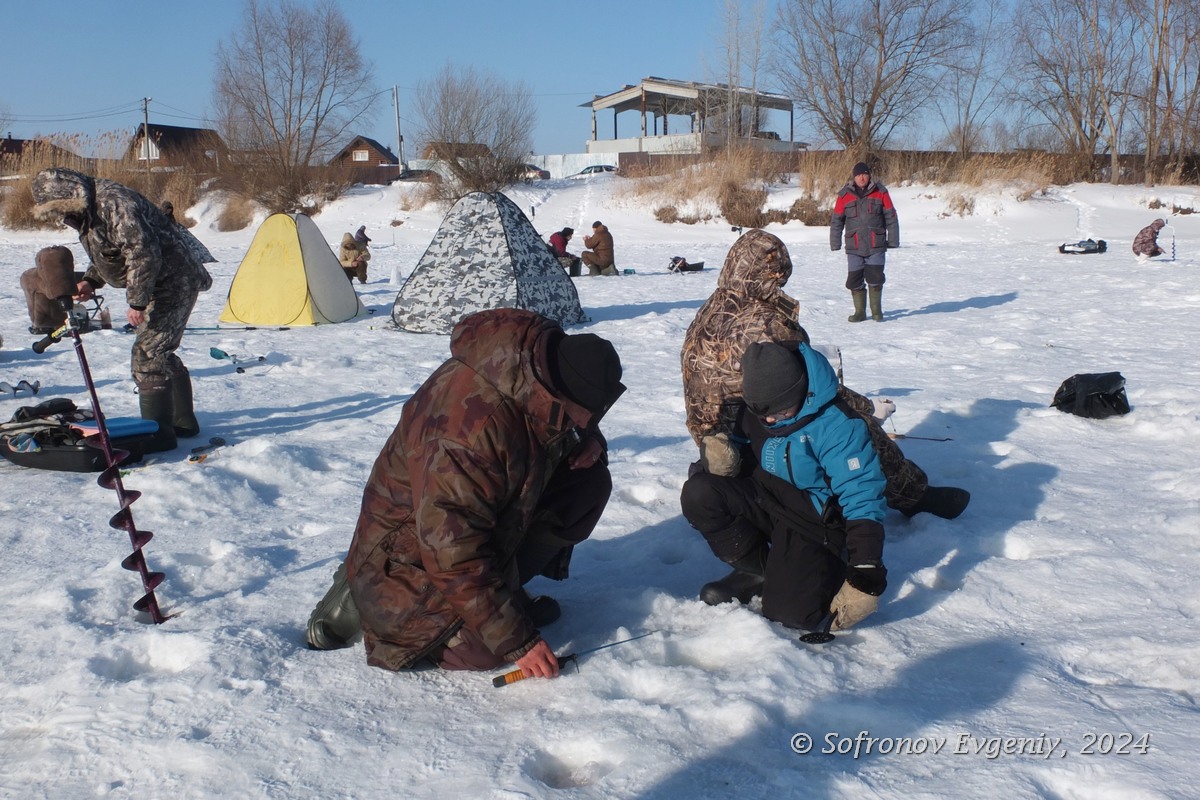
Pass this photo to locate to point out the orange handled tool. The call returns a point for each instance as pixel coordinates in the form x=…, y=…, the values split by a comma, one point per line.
x=519, y=675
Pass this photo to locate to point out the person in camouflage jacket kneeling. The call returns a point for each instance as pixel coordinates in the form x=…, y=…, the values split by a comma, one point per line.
x=496, y=470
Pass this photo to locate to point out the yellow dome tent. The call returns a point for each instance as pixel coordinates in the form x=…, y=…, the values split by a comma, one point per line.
x=290, y=276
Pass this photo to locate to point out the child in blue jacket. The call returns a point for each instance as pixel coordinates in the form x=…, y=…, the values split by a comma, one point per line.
x=805, y=528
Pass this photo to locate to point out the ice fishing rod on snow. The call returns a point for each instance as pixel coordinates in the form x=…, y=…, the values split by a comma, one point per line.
x=110, y=478
x=500, y=681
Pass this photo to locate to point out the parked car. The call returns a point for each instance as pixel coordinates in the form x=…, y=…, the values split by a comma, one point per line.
x=532, y=173
x=596, y=169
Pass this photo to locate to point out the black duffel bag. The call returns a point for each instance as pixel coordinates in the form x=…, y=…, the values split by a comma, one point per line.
x=1093, y=395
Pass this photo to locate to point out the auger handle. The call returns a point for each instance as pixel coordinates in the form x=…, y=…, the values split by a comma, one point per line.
x=40, y=346
x=500, y=681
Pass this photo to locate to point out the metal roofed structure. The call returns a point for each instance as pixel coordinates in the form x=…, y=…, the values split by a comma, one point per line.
x=712, y=109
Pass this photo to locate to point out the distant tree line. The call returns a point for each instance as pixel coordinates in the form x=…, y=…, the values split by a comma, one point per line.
x=1075, y=77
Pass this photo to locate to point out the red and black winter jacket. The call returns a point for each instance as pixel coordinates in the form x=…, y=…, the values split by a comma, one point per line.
x=868, y=219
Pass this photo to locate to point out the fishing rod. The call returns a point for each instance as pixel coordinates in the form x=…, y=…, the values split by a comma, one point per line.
x=501, y=681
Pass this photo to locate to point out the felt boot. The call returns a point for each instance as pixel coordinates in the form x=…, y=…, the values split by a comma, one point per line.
x=541, y=610
x=335, y=622
x=157, y=403
x=744, y=583
x=876, y=294
x=860, y=306
x=946, y=502
x=185, y=423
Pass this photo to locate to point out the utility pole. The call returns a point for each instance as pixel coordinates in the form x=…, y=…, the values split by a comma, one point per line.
x=399, y=138
x=146, y=131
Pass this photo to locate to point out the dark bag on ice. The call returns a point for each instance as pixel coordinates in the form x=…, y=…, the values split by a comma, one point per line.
x=1095, y=395
x=1084, y=247
x=56, y=435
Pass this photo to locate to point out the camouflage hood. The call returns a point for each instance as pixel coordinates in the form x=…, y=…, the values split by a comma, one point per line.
x=509, y=348
x=748, y=306
x=59, y=191
x=758, y=265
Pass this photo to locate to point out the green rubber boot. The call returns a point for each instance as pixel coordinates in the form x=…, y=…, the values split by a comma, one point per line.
x=185, y=423
x=860, y=306
x=335, y=622
x=157, y=403
x=876, y=293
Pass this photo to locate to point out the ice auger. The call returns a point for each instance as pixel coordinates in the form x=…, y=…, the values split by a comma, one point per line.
x=110, y=478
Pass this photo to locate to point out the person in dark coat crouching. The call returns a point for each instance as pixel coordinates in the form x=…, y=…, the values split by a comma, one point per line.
x=805, y=528
x=496, y=470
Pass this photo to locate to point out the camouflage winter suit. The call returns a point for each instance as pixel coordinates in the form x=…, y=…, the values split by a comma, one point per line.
x=749, y=306
x=455, y=492
x=1146, y=241
x=132, y=245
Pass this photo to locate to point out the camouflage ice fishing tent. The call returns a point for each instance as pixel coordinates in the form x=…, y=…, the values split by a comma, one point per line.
x=486, y=254
x=290, y=276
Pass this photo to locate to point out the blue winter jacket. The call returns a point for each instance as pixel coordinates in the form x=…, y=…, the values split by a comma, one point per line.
x=825, y=451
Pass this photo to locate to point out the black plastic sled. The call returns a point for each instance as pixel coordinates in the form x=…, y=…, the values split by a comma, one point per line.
x=58, y=436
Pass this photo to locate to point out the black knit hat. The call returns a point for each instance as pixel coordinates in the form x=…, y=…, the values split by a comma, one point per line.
x=773, y=378
x=567, y=231
x=861, y=168
x=588, y=370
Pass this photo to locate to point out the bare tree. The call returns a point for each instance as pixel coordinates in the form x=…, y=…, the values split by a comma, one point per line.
x=1168, y=31
x=861, y=70
x=478, y=124
x=1080, y=82
x=290, y=84
x=740, y=47
x=971, y=95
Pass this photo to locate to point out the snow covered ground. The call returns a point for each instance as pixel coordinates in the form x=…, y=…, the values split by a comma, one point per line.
x=1045, y=644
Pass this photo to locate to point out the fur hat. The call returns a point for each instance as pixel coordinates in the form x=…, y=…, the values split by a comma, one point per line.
x=567, y=231
x=774, y=378
x=587, y=369
x=861, y=168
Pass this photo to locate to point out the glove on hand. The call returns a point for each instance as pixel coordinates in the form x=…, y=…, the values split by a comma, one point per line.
x=883, y=408
x=720, y=456
x=859, y=596
x=851, y=607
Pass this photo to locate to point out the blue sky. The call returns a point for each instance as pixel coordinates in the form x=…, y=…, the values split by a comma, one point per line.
x=84, y=67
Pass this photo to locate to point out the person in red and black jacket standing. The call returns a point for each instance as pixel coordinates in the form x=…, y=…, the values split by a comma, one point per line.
x=865, y=214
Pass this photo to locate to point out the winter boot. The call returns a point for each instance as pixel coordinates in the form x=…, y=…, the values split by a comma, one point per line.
x=745, y=582
x=541, y=610
x=157, y=403
x=335, y=622
x=946, y=502
x=876, y=293
x=185, y=422
x=860, y=306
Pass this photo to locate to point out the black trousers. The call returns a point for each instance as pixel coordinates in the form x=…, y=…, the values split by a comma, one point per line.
x=802, y=574
x=567, y=513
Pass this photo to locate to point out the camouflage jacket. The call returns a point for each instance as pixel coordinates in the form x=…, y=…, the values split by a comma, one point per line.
x=748, y=306
x=132, y=244
x=454, y=490
x=1146, y=241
